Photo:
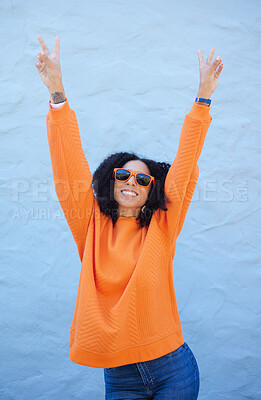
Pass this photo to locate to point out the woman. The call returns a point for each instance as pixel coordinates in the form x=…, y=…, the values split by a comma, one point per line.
x=125, y=221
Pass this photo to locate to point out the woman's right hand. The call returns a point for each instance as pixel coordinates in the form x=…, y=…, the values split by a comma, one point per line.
x=50, y=70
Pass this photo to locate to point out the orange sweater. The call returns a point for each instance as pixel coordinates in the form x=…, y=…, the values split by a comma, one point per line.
x=126, y=309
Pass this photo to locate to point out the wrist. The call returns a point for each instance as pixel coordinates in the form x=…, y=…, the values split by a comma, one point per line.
x=56, y=86
x=202, y=104
x=57, y=95
x=204, y=93
x=203, y=101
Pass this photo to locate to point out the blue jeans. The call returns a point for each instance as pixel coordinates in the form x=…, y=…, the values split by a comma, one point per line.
x=172, y=376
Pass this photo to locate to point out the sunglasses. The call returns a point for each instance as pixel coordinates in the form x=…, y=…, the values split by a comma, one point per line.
x=123, y=175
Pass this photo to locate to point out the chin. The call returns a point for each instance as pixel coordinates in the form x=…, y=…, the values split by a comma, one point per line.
x=128, y=205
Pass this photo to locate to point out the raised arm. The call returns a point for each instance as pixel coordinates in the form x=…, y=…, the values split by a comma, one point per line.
x=71, y=172
x=183, y=174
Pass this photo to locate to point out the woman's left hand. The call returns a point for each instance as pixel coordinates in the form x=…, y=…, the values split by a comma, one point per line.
x=209, y=74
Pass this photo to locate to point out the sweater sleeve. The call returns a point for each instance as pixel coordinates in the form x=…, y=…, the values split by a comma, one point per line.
x=183, y=174
x=71, y=172
x=57, y=105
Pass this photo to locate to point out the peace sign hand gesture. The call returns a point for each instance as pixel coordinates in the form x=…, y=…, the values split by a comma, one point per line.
x=209, y=74
x=49, y=67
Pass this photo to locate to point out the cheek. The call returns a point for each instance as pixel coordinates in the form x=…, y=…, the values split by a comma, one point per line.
x=145, y=193
x=115, y=190
x=148, y=191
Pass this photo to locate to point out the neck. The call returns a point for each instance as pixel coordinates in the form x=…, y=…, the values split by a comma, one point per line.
x=128, y=212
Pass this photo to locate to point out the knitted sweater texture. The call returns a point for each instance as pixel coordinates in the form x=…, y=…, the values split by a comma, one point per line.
x=126, y=309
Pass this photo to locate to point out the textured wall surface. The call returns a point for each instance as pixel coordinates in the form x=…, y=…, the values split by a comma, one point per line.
x=130, y=72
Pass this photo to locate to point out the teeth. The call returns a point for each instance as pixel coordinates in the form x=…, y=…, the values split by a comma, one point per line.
x=129, y=193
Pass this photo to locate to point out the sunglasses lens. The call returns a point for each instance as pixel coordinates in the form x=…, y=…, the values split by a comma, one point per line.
x=122, y=175
x=143, y=179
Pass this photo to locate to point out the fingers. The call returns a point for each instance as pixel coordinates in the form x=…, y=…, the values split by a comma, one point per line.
x=56, y=48
x=210, y=57
x=44, y=60
x=215, y=63
x=43, y=45
x=40, y=66
x=200, y=57
x=218, y=71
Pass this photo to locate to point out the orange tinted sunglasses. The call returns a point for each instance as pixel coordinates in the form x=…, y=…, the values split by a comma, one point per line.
x=123, y=175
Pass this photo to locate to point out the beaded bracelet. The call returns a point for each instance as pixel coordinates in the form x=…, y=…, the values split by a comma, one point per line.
x=201, y=100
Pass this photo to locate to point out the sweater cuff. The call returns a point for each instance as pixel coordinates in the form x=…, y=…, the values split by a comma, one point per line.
x=59, y=114
x=57, y=105
x=199, y=112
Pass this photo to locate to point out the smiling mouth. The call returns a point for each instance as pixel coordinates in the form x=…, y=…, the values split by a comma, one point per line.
x=128, y=193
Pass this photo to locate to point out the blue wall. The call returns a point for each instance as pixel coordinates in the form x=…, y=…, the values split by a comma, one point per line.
x=130, y=72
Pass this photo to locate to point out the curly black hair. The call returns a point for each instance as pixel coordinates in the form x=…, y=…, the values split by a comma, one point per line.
x=103, y=186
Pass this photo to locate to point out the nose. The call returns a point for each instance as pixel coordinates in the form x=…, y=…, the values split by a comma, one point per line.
x=132, y=180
